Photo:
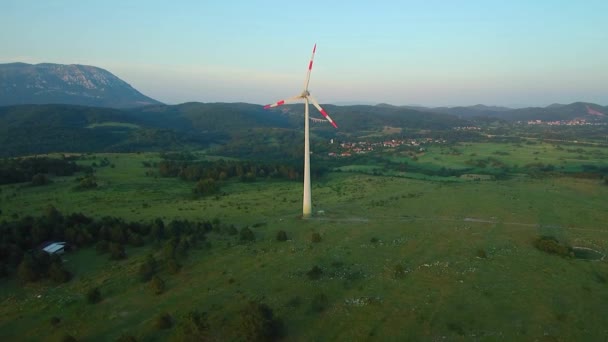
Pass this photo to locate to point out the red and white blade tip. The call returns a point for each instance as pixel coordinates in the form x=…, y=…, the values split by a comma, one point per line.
x=276, y=104
x=328, y=118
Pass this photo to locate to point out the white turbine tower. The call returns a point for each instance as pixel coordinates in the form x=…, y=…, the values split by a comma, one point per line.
x=306, y=203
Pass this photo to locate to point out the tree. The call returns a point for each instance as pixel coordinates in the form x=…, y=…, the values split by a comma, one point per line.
x=26, y=271
x=281, y=235
x=173, y=266
x=40, y=179
x=68, y=338
x=157, y=285
x=163, y=321
x=58, y=274
x=246, y=234
x=193, y=327
x=148, y=268
x=315, y=273
x=55, y=321
x=259, y=324
x=316, y=237
x=319, y=303
x=158, y=229
x=102, y=246
x=126, y=338
x=207, y=186
x=117, y=251
x=93, y=295
x=88, y=182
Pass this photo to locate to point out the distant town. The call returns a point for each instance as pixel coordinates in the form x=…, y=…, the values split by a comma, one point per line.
x=361, y=147
x=574, y=122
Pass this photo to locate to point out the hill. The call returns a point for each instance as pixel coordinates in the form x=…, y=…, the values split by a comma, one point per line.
x=356, y=118
x=32, y=129
x=46, y=83
x=576, y=110
x=478, y=110
x=35, y=129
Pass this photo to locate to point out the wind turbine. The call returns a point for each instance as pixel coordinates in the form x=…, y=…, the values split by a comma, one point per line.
x=305, y=95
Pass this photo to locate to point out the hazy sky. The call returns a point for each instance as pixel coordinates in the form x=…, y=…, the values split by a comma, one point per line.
x=400, y=52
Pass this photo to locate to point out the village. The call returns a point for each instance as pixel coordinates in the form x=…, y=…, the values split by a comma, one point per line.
x=574, y=122
x=348, y=149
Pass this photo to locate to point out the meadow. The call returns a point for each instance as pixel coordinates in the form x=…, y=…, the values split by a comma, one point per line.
x=401, y=257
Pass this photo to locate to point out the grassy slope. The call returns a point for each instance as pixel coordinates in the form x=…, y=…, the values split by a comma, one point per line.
x=518, y=154
x=432, y=229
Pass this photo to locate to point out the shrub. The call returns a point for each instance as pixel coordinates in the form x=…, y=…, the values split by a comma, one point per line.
x=164, y=321
x=259, y=324
x=88, y=182
x=319, y=303
x=39, y=179
x=102, y=246
x=399, y=271
x=55, y=321
x=206, y=186
x=316, y=237
x=126, y=338
x=373, y=240
x=117, y=251
x=294, y=302
x=281, y=235
x=315, y=273
x=550, y=245
x=93, y=295
x=68, y=338
x=157, y=285
x=231, y=230
x=173, y=266
x=193, y=327
x=481, y=253
x=26, y=271
x=147, y=269
x=246, y=235
x=58, y=274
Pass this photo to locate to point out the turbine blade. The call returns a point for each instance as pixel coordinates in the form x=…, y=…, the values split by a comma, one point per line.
x=309, y=68
x=316, y=104
x=282, y=102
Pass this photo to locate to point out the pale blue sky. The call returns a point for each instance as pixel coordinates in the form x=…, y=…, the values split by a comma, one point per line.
x=401, y=52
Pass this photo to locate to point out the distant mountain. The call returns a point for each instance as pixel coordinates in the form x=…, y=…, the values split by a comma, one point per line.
x=357, y=118
x=46, y=83
x=576, y=110
x=555, y=105
x=465, y=111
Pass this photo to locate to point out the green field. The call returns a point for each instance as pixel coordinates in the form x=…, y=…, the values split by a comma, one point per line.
x=401, y=258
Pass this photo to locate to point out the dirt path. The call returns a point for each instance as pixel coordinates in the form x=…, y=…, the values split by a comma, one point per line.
x=452, y=219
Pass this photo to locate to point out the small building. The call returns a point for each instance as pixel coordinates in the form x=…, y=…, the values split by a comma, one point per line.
x=55, y=248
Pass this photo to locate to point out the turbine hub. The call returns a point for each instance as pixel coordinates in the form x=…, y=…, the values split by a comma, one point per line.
x=305, y=93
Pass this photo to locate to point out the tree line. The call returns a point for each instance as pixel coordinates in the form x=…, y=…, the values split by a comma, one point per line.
x=21, y=241
x=31, y=169
x=209, y=175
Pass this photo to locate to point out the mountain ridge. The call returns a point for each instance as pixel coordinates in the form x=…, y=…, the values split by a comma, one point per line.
x=75, y=84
